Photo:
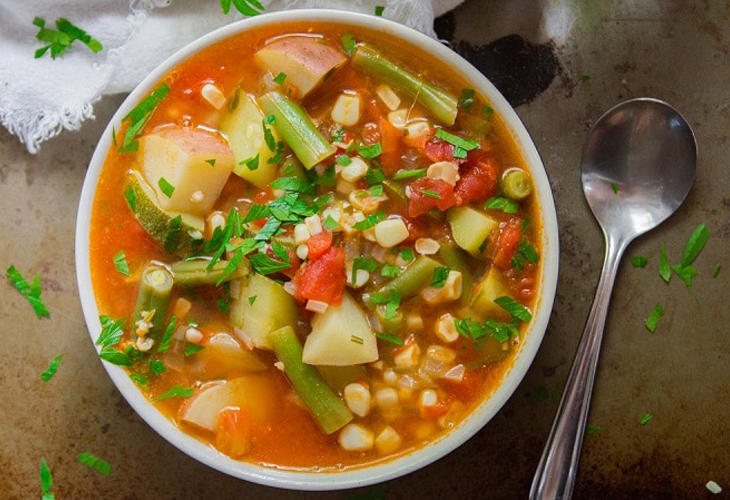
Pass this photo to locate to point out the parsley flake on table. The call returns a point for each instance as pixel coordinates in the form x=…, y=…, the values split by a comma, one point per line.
x=62, y=38
x=645, y=418
x=31, y=292
x=594, y=429
x=614, y=187
x=52, y=368
x=664, y=270
x=638, y=261
x=379, y=10
x=692, y=249
x=653, y=318
x=46, y=481
x=94, y=462
x=716, y=271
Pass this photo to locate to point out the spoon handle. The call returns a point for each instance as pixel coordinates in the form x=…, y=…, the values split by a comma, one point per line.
x=555, y=476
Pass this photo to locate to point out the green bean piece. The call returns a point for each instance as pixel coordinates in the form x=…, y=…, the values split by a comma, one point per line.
x=416, y=277
x=516, y=184
x=442, y=104
x=338, y=377
x=153, y=300
x=296, y=128
x=490, y=352
x=328, y=409
x=455, y=258
x=389, y=325
x=196, y=272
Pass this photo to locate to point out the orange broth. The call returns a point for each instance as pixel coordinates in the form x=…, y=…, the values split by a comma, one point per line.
x=292, y=439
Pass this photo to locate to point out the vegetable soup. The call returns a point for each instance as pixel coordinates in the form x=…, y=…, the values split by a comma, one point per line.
x=313, y=248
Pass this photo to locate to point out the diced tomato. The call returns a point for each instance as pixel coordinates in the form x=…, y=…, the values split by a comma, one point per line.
x=509, y=238
x=439, y=151
x=233, y=432
x=478, y=181
x=391, y=139
x=420, y=203
x=419, y=140
x=434, y=411
x=466, y=388
x=417, y=228
x=263, y=196
x=323, y=279
x=318, y=244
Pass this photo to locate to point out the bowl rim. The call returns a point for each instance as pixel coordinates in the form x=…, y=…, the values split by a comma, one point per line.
x=381, y=470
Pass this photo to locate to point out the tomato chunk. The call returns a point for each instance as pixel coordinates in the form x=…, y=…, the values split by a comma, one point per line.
x=318, y=244
x=437, y=194
x=509, y=238
x=233, y=432
x=391, y=139
x=439, y=151
x=478, y=181
x=323, y=279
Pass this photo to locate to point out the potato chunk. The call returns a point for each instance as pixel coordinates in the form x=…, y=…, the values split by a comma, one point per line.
x=341, y=336
x=306, y=61
x=195, y=162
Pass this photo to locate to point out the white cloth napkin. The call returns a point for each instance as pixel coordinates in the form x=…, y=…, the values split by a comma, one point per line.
x=39, y=98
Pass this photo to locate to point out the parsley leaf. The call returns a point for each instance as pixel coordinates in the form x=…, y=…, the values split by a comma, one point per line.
x=174, y=232
x=365, y=263
x=370, y=221
x=516, y=310
x=653, y=318
x=61, y=39
x=328, y=177
x=348, y=43
x=407, y=254
x=252, y=163
x=664, y=270
x=374, y=175
x=390, y=338
x=594, y=429
x=293, y=184
x=46, y=481
x=114, y=356
x=211, y=162
x=391, y=307
x=695, y=244
x=440, y=275
x=30, y=292
x=280, y=78
x=638, y=261
x=166, y=340
x=379, y=10
x=685, y=273
x=120, y=262
x=458, y=142
x=139, y=379
x=157, y=367
x=252, y=299
x=372, y=151
x=51, y=370
x=191, y=348
x=330, y=223
x=177, y=391
x=409, y=174
x=111, y=331
x=716, y=271
x=140, y=115
x=614, y=186
x=343, y=160
x=504, y=204
x=263, y=264
x=390, y=271
x=466, y=99
x=645, y=418
x=431, y=194
x=95, y=463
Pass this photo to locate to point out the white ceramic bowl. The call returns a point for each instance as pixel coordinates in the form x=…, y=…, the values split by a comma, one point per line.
x=364, y=475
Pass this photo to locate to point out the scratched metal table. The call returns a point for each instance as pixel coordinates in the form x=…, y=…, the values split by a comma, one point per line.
x=561, y=64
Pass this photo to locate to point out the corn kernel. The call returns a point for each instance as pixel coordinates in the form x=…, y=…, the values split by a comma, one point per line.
x=447, y=293
x=357, y=397
x=414, y=321
x=445, y=329
x=398, y=118
x=408, y=356
x=355, y=171
x=301, y=234
x=302, y=251
x=391, y=232
x=427, y=246
x=213, y=95
x=447, y=171
x=388, y=441
x=314, y=225
x=386, y=397
x=346, y=110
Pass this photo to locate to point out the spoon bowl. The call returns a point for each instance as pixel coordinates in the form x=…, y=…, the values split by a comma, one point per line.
x=642, y=149
x=638, y=166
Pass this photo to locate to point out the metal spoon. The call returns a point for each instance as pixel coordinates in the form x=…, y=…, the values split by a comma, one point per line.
x=638, y=165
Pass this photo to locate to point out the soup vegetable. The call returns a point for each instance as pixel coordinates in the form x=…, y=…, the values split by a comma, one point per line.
x=311, y=250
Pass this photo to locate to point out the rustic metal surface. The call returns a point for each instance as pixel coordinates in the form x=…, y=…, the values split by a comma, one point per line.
x=562, y=65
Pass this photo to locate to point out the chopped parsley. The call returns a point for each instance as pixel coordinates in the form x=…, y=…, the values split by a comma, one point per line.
x=120, y=262
x=391, y=301
x=348, y=43
x=585, y=78
x=516, y=310
x=52, y=368
x=376, y=190
x=525, y=252
x=440, y=275
x=692, y=249
x=191, y=348
x=466, y=99
x=594, y=429
x=431, y=194
x=390, y=271
x=461, y=145
x=157, y=367
x=268, y=136
x=664, y=270
x=177, y=391
x=372, y=151
x=115, y=356
x=328, y=177
x=390, y=338
x=478, y=332
x=60, y=39
x=293, y=184
x=131, y=196
x=252, y=163
x=280, y=78
x=46, y=481
x=365, y=263
x=614, y=186
x=252, y=299
x=211, y=162
x=374, y=175
x=407, y=254
x=409, y=174
x=166, y=340
x=139, y=379
x=232, y=264
x=487, y=110
x=95, y=463
x=140, y=115
x=330, y=223
x=370, y=221
x=343, y=160
x=653, y=318
x=645, y=418
x=504, y=204
x=638, y=261
x=111, y=331
x=31, y=292
x=246, y=7
x=379, y=10
x=716, y=271
x=685, y=273
x=263, y=264
x=338, y=135
x=173, y=234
